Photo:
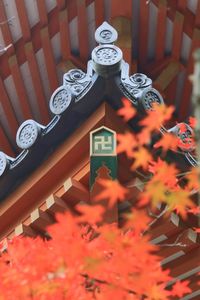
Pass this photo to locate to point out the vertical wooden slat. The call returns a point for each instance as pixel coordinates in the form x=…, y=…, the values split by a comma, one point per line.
x=124, y=42
x=21, y=9
x=4, y=143
x=82, y=29
x=121, y=8
x=8, y=109
x=143, y=31
x=197, y=15
x=61, y=4
x=42, y=12
x=99, y=12
x=177, y=35
x=64, y=35
x=181, y=4
x=20, y=88
x=49, y=58
x=187, y=90
x=35, y=74
x=5, y=26
x=170, y=91
x=161, y=30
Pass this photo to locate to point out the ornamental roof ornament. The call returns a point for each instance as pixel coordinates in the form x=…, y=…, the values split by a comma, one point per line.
x=107, y=79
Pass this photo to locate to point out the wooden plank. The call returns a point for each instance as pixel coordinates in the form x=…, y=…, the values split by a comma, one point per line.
x=37, y=82
x=5, y=146
x=7, y=36
x=61, y=4
x=8, y=109
x=143, y=32
x=42, y=12
x=124, y=42
x=20, y=88
x=170, y=91
x=49, y=59
x=181, y=5
x=24, y=230
x=55, y=204
x=177, y=35
x=99, y=12
x=40, y=220
x=187, y=90
x=185, y=263
x=64, y=35
x=167, y=75
x=74, y=192
x=161, y=30
x=82, y=29
x=197, y=15
x=23, y=19
x=119, y=8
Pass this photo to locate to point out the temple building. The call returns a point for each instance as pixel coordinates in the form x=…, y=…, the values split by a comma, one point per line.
x=65, y=66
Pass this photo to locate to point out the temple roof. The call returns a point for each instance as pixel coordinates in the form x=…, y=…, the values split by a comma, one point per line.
x=107, y=79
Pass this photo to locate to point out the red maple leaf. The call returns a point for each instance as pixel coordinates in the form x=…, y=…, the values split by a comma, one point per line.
x=127, y=111
x=180, y=288
x=126, y=143
x=192, y=122
x=194, y=210
x=157, y=117
x=142, y=157
x=111, y=190
x=168, y=141
x=91, y=214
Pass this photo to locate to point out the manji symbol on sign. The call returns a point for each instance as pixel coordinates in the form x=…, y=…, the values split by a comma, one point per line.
x=103, y=142
x=102, y=152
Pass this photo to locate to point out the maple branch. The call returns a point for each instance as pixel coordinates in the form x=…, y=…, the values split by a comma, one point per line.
x=157, y=217
x=176, y=242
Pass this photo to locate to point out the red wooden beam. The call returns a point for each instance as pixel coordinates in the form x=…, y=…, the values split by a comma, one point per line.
x=8, y=109
x=64, y=34
x=42, y=12
x=4, y=143
x=99, y=12
x=187, y=90
x=61, y=4
x=177, y=35
x=161, y=29
x=197, y=15
x=82, y=29
x=23, y=19
x=49, y=59
x=37, y=83
x=20, y=88
x=5, y=26
x=120, y=8
x=181, y=5
x=143, y=31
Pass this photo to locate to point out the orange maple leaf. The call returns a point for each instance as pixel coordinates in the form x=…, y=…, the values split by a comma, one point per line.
x=195, y=210
x=142, y=157
x=192, y=122
x=112, y=190
x=168, y=141
x=126, y=143
x=138, y=220
x=127, y=111
x=180, y=288
x=157, y=117
x=91, y=214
